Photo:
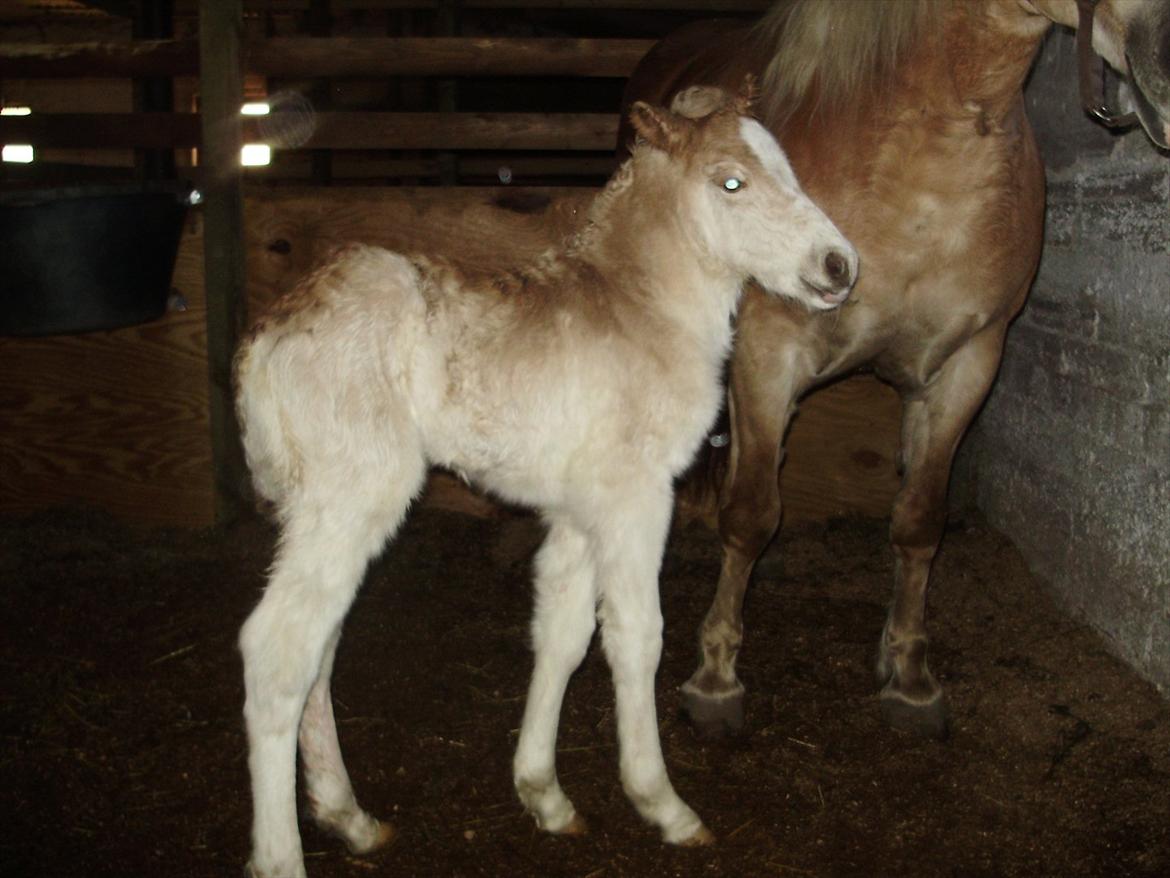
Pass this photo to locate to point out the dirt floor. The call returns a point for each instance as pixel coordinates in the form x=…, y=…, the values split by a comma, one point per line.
x=123, y=749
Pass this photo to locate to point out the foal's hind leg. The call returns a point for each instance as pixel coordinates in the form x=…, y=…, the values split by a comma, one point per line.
x=764, y=385
x=327, y=786
x=563, y=623
x=934, y=420
x=325, y=544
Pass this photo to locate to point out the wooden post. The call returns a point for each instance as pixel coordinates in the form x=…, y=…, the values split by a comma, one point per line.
x=447, y=24
x=221, y=89
x=320, y=21
x=154, y=20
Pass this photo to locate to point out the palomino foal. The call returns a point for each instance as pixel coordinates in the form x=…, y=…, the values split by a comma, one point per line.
x=581, y=385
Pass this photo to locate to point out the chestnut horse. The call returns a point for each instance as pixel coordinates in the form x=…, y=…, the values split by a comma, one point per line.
x=581, y=385
x=905, y=121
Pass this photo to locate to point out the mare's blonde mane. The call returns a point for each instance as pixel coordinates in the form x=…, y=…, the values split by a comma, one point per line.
x=843, y=48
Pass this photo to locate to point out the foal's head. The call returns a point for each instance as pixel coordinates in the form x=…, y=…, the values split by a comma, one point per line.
x=742, y=200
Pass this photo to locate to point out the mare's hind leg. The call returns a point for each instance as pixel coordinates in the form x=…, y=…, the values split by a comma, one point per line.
x=764, y=385
x=327, y=786
x=326, y=541
x=934, y=420
x=629, y=543
x=562, y=626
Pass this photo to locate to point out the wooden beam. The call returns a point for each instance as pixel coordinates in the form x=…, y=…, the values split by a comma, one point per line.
x=309, y=57
x=103, y=130
x=221, y=85
x=444, y=56
x=366, y=165
x=498, y=131
x=120, y=60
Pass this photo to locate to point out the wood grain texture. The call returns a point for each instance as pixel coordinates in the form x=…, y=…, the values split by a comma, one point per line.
x=119, y=420
x=841, y=452
x=115, y=420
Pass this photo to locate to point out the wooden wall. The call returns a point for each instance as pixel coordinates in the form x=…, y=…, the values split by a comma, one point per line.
x=118, y=420
x=114, y=420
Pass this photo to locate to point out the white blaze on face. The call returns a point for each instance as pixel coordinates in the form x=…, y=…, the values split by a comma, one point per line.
x=768, y=151
x=790, y=239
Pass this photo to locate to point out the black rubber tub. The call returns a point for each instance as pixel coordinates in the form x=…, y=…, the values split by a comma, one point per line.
x=81, y=259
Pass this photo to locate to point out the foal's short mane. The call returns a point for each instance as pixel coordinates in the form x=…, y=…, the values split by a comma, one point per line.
x=603, y=203
x=845, y=48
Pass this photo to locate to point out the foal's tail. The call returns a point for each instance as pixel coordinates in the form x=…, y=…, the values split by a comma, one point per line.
x=268, y=449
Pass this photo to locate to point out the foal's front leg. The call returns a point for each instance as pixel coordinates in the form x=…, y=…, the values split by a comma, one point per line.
x=630, y=546
x=562, y=626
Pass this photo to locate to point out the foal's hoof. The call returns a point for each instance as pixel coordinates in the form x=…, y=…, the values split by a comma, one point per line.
x=713, y=716
x=701, y=838
x=927, y=719
x=575, y=826
x=383, y=836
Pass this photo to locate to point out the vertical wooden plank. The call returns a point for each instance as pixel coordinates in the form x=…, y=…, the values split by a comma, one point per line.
x=154, y=20
x=320, y=25
x=447, y=25
x=221, y=93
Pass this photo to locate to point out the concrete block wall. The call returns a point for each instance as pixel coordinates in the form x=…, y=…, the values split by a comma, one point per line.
x=1071, y=455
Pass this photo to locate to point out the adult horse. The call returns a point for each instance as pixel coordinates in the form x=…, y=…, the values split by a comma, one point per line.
x=905, y=121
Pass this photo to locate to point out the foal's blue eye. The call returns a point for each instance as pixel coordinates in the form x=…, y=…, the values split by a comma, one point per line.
x=732, y=184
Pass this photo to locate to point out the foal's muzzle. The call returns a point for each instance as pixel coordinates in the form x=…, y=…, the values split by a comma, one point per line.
x=833, y=278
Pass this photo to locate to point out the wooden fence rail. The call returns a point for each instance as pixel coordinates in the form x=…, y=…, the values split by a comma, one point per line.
x=178, y=462
x=474, y=131
x=335, y=57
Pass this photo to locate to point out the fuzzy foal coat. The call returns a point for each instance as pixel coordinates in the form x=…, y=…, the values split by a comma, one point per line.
x=580, y=385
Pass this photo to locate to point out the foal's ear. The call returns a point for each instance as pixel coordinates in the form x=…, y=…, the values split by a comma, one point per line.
x=748, y=93
x=658, y=127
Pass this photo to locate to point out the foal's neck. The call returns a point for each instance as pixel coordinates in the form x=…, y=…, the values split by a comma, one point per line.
x=640, y=236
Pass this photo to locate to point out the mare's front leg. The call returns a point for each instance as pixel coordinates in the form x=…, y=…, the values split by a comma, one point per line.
x=562, y=626
x=764, y=385
x=630, y=538
x=934, y=420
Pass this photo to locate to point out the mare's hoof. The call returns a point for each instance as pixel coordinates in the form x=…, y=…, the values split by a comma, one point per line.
x=713, y=716
x=701, y=838
x=384, y=836
x=576, y=826
x=927, y=719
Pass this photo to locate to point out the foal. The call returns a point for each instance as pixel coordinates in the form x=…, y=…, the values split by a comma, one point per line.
x=580, y=385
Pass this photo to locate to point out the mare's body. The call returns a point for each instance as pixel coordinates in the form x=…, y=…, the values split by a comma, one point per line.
x=905, y=121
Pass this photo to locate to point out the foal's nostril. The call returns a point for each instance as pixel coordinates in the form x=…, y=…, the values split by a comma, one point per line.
x=837, y=268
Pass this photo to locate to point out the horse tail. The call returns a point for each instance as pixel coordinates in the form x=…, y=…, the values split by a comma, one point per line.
x=269, y=448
